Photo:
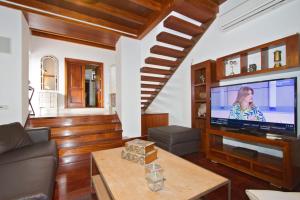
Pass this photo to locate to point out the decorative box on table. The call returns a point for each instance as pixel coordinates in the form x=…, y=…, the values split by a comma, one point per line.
x=139, y=151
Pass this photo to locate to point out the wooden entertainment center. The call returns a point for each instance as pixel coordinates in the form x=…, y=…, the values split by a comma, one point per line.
x=281, y=171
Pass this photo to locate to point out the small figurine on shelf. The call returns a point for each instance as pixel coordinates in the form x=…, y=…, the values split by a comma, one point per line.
x=277, y=58
x=232, y=65
x=252, y=68
x=201, y=78
x=202, y=110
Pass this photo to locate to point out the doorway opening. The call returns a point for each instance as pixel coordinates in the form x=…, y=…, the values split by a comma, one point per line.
x=84, y=84
x=91, y=85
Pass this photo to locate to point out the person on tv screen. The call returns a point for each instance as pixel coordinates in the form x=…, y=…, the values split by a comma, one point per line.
x=243, y=108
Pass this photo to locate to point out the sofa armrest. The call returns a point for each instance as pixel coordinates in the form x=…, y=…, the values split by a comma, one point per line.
x=39, y=134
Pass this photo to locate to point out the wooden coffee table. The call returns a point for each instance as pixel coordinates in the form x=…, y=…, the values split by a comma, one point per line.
x=119, y=179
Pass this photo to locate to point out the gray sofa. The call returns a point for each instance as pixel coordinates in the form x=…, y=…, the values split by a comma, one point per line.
x=28, y=163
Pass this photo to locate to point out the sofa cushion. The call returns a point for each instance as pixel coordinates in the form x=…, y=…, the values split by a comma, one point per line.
x=31, y=151
x=28, y=177
x=173, y=134
x=13, y=136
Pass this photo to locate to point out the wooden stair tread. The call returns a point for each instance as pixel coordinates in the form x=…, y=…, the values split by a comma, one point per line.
x=183, y=26
x=174, y=40
x=69, y=121
x=149, y=92
x=67, y=131
x=73, y=143
x=151, y=86
x=156, y=71
x=83, y=133
x=161, y=62
x=154, y=79
x=74, y=158
x=202, y=11
x=88, y=148
x=146, y=98
x=165, y=51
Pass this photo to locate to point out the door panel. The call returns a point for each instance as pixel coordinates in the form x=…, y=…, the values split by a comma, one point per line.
x=75, y=76
x=100, y=82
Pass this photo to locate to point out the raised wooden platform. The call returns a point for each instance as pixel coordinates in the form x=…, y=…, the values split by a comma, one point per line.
x=82, y=134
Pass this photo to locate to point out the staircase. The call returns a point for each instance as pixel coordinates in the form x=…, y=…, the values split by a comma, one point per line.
x=183, y=30
x=79, y=135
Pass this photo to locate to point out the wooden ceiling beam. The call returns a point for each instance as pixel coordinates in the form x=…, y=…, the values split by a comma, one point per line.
x=150, y=4
x=113, y=11
x=155, y=18
x=55, y=36
x=69, y=15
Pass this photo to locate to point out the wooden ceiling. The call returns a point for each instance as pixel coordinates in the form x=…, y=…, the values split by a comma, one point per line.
x=93, y=22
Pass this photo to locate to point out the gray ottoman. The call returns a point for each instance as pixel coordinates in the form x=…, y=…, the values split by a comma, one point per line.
x=176, y=139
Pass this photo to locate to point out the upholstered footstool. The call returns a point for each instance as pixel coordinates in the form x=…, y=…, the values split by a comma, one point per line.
x=176, y=139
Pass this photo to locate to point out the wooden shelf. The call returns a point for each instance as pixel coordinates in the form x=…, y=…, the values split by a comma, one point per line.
x=204, y=118
x=199, y=84
x=200, y=101
x=202, y=75
x=261, y=158
x=291, y=58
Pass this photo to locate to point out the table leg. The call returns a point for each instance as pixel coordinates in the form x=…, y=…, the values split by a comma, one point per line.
x=229, y=190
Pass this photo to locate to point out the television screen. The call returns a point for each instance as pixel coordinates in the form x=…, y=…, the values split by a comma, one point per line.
x=267, y=106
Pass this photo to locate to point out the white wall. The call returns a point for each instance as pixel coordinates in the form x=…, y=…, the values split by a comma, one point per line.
x=25, y=67
x=60, y=49
x=128, y=86
x=14, y=67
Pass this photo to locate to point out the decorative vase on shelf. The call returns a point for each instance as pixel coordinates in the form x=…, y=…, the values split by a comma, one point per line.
x=277, y=58
x=202, y=95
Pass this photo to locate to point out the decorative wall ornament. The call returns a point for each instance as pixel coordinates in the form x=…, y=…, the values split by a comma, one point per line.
x=49, y=73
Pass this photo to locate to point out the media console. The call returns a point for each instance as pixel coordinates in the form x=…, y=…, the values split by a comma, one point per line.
x=282, y=172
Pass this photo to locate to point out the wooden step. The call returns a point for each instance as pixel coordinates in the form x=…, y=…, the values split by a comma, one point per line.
x=151, y=86
x=65, y=121
x=165, y=51
x=183, y=26
x=87, y=139
x=74, y=158
x=161, y=62
x=146, y=98
x=156, y=71
x=144, y=104
x=202, y=11
x=88, y=148
x=84, y=130
x=154, y=79
x=108, y=134
x=174, y=40
x=149, y=92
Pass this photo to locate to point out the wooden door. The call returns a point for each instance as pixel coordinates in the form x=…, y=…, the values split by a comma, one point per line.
x=75, y=84
x=100, y=82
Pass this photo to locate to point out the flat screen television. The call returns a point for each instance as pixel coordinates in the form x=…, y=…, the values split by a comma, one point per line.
x=257, y=107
